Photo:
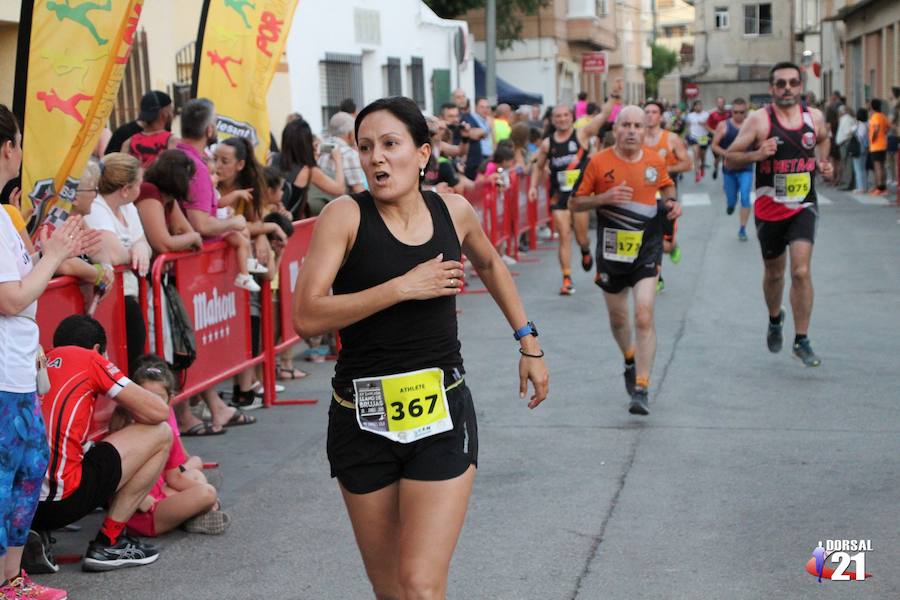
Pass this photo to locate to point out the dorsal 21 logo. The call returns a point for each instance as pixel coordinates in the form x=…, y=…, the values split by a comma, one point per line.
x=840, y=553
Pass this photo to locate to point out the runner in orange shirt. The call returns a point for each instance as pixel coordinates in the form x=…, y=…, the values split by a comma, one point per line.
x=671, y=149
x=621, y=184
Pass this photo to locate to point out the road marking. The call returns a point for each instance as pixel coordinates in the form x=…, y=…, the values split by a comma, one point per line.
x=695, y=199
x=870, y=200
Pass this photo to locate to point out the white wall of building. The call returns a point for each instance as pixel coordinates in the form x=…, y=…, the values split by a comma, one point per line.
x=406, y=29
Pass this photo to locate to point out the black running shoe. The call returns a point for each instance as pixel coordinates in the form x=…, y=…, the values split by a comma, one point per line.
x=629, y=378
x=37, y=556
x=587, y=261
x=127, y=552
x=774, y=338
x=639, y=401
x=804, y=352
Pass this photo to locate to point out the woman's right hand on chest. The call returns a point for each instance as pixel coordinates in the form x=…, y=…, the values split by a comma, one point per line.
x=431, y=279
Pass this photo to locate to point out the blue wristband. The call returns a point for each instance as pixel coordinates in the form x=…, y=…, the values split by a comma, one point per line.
x=528, y=329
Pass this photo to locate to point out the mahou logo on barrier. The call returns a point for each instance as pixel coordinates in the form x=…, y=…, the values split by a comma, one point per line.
x=214, y=312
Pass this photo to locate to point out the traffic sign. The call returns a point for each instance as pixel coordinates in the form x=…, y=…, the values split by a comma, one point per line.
x=691, y=90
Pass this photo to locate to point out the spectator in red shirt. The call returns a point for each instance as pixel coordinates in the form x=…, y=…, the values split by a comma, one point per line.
x=715, y=117
x=120, y=470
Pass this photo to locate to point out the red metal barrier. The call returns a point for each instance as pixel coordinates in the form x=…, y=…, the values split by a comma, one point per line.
x=62, y=298
x=521, y=215
x=294, y=254
x=219, y=311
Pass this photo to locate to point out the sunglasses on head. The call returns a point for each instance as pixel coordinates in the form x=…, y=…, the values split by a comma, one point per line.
x=783, y=83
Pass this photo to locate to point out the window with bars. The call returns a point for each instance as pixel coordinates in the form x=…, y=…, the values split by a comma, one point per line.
x=417, y=81
x=758, y=19
x=340, y=77
x=393, y=78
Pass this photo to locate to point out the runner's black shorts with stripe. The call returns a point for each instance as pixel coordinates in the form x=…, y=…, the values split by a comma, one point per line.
x=365, y=462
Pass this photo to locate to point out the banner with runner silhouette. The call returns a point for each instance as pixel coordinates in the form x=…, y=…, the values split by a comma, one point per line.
x=239, y=47
x=76, y=52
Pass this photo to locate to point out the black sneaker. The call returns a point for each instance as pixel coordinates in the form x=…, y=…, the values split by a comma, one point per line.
x=127, y=552
x=629, y=378
x=774, y=338
x=639, y=401
x=804, y=352
x=587, y=261
x=37, y=557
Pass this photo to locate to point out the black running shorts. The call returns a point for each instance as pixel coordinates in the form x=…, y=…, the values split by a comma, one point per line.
x=560, y=201
x=101, y=470
x=366, y=462
x=775, y=236
x=614, y=283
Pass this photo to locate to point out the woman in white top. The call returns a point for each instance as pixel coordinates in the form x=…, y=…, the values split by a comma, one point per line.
x=697, y=136
x=123, y=241
x=846, y=128
x=23, y=439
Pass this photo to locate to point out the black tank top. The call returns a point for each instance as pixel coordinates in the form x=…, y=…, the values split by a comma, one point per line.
x=416, y=334
x=565, y=156
x=795, y=156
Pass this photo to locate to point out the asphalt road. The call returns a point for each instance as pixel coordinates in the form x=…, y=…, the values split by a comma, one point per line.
x=747, y=460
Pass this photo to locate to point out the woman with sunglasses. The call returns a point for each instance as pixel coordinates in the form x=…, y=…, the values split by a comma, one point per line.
x=402, y=436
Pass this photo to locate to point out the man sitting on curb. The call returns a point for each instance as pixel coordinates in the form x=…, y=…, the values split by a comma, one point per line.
x=118, y=471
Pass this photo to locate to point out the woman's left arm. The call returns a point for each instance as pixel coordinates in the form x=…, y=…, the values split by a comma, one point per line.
x=496, y=278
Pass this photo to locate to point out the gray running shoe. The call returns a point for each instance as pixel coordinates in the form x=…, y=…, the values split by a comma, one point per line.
x=774, y=338
x=639, y=401
x=630, y=377
x=804, y=352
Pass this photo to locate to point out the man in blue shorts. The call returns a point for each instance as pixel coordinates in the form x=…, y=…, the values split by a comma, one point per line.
x=740, y=180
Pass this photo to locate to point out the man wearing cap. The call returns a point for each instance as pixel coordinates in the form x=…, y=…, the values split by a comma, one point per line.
x=155, y=136
x=122, y=133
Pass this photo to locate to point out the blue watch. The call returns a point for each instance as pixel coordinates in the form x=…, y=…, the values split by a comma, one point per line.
x=528, y=329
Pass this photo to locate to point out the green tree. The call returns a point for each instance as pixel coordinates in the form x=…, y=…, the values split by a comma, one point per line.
x=509, y=15
x=664, y=61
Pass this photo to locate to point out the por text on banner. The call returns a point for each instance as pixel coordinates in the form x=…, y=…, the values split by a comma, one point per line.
x=77, y=54
x=239, y=49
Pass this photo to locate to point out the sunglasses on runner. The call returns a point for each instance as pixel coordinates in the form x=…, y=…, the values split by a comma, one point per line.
x=739, y=112
x=783, y=83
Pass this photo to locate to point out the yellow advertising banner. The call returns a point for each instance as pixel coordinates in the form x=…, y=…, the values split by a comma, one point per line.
x=77, y=56
x=243, y=41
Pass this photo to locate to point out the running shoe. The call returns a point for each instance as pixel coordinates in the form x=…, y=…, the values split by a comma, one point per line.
x=568, y=288
x=587, y=261
x=630, y=375
x=675, y=254
x=24, y=587
x=126, y=552
x=37, y=556
x=804, y=352
x=660, y=285
x=729, y=210
x=775, y=339
x=639, y=401
x=742, y=234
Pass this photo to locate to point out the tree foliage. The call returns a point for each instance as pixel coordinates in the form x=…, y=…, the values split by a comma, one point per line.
x=509, y=15
x=664, y=61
